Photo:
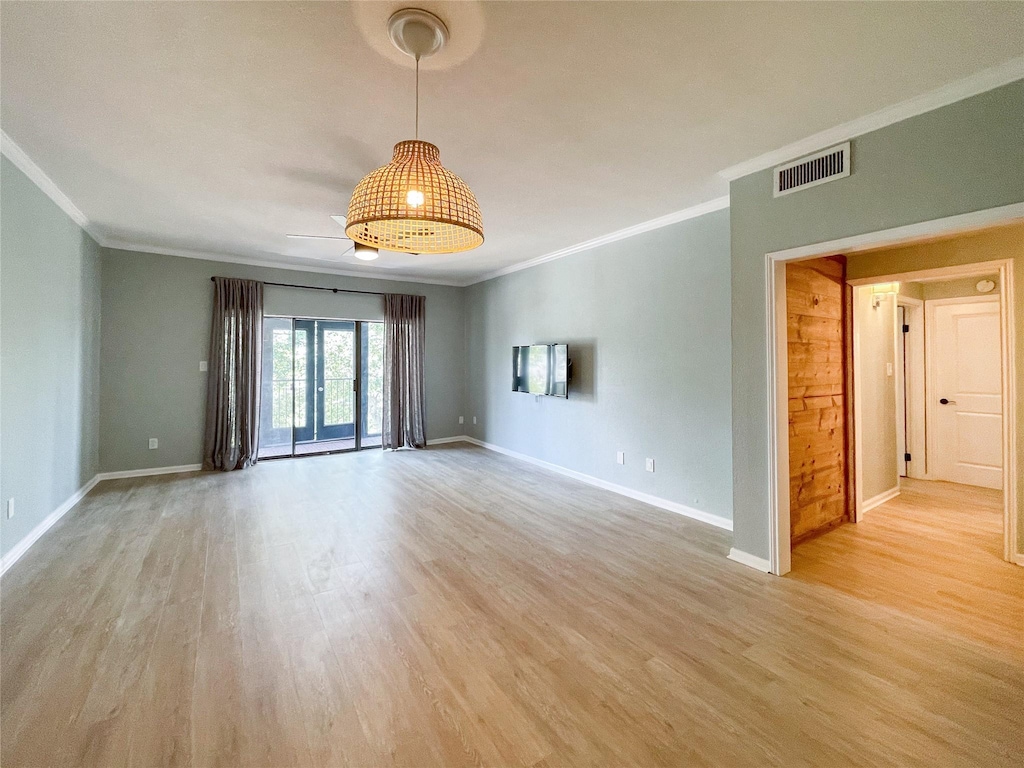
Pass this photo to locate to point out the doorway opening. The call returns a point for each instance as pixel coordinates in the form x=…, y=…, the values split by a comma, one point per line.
x=322, y=386
x=932, y=412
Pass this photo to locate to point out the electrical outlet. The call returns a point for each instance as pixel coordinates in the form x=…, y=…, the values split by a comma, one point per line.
x=650, y=465
x=620, y=457
x=474, y=419
x=202, y=365
x=153, y=443
x=10, y=508
x=888, y=369
x=462, y=420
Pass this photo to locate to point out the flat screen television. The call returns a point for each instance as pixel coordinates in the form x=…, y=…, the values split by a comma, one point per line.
x=541, y=369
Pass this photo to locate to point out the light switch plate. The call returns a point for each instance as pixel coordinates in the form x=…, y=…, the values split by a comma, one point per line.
x=202, y=365
x=10, y=508
x=474, y=419
x=650, y=465
x=153, y=443
x=620, y=457
x=462, y=420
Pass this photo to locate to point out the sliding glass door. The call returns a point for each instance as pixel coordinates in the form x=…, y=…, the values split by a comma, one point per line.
x=322, y=386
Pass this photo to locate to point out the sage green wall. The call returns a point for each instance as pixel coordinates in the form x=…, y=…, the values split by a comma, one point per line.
x=49, y=355
x=965, y=157
x=647, y=324
x=156, y=325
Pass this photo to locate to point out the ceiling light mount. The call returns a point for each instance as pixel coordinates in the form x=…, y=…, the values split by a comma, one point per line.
x=417, y=33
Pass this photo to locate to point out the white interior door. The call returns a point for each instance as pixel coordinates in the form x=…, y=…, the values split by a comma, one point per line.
x=964, y=393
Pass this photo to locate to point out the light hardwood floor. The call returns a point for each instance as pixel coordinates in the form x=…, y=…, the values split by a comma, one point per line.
x=457, y=607
x=935, y=551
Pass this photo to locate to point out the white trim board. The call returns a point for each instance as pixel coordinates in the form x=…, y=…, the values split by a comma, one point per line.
x=876, y=501
x=19, y=549
x=979, y=82
x=452, y=439
x=50, y=520
x=749, y=560
x=779, y=544
x=149, y=471
x=718, y=204
x=646, y=498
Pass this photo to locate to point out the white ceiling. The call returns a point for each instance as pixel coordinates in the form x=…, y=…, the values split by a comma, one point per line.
x=221, y=127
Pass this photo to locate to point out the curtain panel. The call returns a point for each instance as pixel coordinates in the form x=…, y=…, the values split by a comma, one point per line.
x=404, y=338
x=233, y=390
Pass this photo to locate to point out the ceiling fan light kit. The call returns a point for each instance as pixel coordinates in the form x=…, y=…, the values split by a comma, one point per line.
x=414, y=204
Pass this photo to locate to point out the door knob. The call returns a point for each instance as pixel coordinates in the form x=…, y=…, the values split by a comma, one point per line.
x=319, y=389
x=944, y=401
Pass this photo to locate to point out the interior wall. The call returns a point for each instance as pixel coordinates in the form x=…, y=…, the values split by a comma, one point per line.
x=816, y=351
x=961, y=158
x=647, y=325
x=49, y=355
x=156, y=330
x=874, y=331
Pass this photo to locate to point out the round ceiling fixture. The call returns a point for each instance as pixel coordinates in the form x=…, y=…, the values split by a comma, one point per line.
x=365, y=252
x=985, y=286
x=414, y=204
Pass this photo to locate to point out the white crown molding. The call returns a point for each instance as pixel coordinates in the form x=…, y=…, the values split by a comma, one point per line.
x=982, y=81
x=28, y=166
x=123, y=245
x=621, y=234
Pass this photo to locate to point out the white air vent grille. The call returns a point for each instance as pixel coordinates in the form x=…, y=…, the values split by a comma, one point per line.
x=826, y=165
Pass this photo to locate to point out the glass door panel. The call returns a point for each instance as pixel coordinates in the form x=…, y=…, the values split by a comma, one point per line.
x=335, y=380
x=322, y=386
x=277, y=395
x=371, y=387
x=304, y=381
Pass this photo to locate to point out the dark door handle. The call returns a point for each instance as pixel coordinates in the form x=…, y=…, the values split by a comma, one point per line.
x=944, y=401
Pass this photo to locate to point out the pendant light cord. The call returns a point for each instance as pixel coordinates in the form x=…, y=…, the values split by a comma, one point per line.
x=417, y=97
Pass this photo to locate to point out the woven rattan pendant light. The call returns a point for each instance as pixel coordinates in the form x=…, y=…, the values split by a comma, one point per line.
x=414, y=204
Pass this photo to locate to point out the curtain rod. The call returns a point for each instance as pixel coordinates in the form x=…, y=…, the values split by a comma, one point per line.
x=332, y=290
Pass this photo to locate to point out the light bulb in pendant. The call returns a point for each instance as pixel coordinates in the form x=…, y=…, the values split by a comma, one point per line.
x=414, y=198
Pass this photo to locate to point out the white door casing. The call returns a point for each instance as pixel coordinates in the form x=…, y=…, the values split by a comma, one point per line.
x=964, y=370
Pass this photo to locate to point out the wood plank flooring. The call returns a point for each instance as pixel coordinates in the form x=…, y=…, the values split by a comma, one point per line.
x=457, y=607
x=936, y=552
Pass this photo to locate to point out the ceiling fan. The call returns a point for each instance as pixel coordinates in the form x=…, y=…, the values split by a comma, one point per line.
x=360, y=251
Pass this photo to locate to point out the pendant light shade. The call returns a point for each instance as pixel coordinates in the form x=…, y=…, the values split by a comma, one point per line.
x=415, y=205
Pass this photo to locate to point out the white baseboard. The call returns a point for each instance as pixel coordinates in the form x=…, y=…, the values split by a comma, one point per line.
x=453, y=439
x=749, y=560
x=36, y=533
x=48, y=522
x=646, y=498
x=149, y=471
x=1019, y=558
x=876, y=501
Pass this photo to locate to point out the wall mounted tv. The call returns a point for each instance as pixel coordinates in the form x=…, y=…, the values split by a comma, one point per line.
x=541, y=369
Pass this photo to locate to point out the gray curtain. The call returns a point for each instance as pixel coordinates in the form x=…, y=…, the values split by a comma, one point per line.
x=404, y=335
x=233, y=389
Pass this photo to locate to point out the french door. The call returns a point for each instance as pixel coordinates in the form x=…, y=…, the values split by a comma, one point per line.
x=322, y=387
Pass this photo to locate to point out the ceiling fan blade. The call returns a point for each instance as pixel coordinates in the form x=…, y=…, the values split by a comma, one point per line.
x=317, y=237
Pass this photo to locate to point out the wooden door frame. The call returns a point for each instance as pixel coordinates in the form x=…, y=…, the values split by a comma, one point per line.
x=779, y=558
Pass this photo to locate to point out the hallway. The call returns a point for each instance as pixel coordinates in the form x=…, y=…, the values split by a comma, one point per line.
x=933, y=552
